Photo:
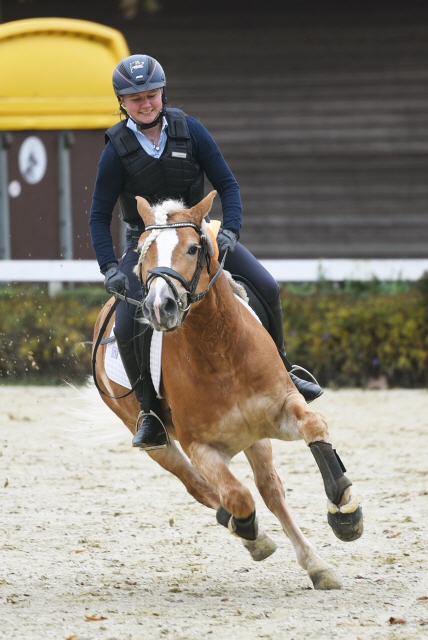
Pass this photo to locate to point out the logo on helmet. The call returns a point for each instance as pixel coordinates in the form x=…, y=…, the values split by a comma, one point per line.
x=136, y=64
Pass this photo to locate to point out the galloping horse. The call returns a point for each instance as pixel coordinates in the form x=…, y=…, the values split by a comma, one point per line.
x=225, y=389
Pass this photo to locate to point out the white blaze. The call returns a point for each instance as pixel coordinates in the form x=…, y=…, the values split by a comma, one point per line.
x=165, y=243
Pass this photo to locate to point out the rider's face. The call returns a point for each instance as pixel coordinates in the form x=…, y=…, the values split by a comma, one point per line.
x=143, y=107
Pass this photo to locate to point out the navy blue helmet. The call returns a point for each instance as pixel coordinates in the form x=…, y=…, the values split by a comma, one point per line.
x=138, y=73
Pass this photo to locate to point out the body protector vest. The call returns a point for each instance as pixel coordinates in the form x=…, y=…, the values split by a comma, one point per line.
x=176, y=174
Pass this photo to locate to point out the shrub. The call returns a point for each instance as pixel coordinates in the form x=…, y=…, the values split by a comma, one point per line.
x=45, y=339
x=348, y=340
x=347, y=335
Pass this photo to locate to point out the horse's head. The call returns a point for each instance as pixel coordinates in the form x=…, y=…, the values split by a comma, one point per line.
x=175, y=254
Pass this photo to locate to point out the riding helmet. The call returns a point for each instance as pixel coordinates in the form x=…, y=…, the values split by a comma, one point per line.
x=136, y=74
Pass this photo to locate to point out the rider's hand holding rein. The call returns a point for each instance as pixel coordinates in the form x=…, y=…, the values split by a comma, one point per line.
x=226, y=241
x=115, y=281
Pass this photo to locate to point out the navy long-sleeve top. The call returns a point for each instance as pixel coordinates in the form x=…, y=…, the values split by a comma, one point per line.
x=111, y=179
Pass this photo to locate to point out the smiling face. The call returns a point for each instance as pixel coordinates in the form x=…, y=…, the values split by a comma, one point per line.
x=143, y=107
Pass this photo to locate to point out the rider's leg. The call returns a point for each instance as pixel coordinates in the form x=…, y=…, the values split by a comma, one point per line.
x=242, y=263
x=309, y=390
x=151, y=433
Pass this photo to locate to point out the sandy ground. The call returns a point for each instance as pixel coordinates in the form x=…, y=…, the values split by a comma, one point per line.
x=97, y=541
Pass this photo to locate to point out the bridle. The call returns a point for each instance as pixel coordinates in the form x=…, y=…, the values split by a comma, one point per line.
x=168, y=274
x=190, y=296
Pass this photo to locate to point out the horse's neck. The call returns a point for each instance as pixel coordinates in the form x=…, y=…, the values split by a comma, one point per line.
x=216, y=322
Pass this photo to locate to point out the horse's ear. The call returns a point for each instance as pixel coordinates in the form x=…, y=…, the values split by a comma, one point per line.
x=202, y=209
x=145, y=210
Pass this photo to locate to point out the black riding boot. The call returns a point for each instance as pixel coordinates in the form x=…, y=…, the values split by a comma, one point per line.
x=151, y=432
x=309, y=390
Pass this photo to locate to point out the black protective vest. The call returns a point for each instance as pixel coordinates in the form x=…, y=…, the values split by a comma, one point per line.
x=176, y=174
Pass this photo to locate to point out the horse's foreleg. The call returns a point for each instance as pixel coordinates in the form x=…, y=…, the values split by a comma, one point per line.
x=234, y=497
x=237, y=511
x=272, y=491
x=173, y=461
x=344, y=512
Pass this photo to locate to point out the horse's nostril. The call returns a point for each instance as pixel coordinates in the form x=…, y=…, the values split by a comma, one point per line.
x=170, y=306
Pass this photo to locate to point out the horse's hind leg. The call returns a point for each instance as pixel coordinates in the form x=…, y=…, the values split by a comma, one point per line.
x=237, y=511
x=344, y=512
x=272, y=492
x=173, y=461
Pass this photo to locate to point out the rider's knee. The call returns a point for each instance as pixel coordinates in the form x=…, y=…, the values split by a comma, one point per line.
x=271, y=291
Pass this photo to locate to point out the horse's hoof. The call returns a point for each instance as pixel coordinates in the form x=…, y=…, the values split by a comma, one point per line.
x=325, y=579
x=260, y=548
x=346, y=526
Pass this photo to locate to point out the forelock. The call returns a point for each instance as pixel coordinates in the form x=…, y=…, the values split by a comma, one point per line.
x=161, y=212
x=163, y=209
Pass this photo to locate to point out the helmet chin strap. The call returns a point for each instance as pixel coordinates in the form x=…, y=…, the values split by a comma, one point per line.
x=150, y=125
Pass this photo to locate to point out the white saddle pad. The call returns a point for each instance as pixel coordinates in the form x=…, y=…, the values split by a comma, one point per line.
x=115, y=370
x=247, y=306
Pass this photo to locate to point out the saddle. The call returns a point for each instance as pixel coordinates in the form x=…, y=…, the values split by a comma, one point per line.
x=255, y=300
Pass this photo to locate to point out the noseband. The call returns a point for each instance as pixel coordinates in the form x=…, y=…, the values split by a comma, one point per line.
x=168, y=274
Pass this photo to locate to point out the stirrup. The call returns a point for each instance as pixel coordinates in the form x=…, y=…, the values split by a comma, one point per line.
x=151, y=447
x=310, y=389
x=297, y=367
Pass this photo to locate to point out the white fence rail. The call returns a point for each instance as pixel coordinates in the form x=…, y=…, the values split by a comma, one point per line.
x=282, y=270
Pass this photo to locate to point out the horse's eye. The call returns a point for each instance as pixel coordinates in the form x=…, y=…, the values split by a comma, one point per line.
x=193, y=249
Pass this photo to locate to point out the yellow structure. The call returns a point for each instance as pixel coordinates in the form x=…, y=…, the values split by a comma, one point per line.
x=56, y=74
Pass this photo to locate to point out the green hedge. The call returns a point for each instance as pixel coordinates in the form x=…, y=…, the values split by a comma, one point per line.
x=347, y=335
x=349, y=340
x=45, y=339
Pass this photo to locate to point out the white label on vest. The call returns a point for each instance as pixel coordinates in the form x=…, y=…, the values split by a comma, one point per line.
x=178, y=154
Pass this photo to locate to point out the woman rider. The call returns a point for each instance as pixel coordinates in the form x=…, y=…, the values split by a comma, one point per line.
x=160, y=153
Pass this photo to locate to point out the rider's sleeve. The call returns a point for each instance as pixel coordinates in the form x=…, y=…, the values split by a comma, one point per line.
x=108, y=187
x=218, y=173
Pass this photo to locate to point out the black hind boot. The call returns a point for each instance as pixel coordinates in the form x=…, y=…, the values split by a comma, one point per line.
x=151, y=432
x=310, y=390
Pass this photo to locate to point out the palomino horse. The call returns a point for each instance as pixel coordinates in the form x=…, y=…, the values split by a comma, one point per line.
x=225, y=389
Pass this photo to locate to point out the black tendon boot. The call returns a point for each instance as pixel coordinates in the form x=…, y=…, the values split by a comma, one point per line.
x=309, y=390
x=151, y=432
